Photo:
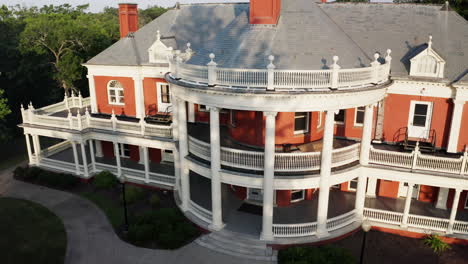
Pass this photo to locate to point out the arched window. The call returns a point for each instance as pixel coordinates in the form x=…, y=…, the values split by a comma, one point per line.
x=115, y=92
x=427, y=65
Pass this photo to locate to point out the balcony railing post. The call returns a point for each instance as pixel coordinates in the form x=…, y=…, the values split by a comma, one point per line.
x=388, y=61
x=415, y=155
x=464, y=161
x=80, y=125
x=88, y=117
x=375, y=69
x=334, y=74
x=80, y=100
x=212, y=71
x=178, y=60
x=271, y=74
x=70, y=119
x=142, y=126
x=65, y=100
x=30, y=112
x=114, y=121
x=23, y=114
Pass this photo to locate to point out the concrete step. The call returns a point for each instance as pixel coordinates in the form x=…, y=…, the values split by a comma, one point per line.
x=235, y=245
x=233, y=251
x=239, y=242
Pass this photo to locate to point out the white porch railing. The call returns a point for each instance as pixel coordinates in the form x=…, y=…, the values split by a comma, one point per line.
x=200, y=212
x=80, y=122
x=418, y=161
x=417, y=221
x=340, y=221
x=294, y=230
x=284, y=162
x=271, y=78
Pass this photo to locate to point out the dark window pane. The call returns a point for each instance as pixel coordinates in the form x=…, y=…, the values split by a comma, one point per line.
x=359, y=117
x=296, y=195
x=353, y=184
x=419, y=121
x=300, y=124
x=340, y=116
x=300, y=114
x=420, y=109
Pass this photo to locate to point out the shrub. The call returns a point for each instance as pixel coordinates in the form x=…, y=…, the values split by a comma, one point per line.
x=436, y=244
x=105, y=180
x=133, y=194
x=57, y=180
x=20, y=172
x=315, y=255
x=155, y=201
x=141, y=234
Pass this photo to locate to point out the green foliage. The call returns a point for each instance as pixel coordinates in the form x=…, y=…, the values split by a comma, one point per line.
x=105, y=180
x=167, y=227
x=43, y=177
x=155, y=201
x=147, y=15
x=315, y=255
x=133, y=194
x=4, y=108
x=436, y=244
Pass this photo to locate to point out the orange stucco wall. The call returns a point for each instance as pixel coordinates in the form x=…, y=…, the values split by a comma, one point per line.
x=349, y=129
x=283, y=198
x=150, y=94
x=387, y=188
x=249, y=128
x=264, y=11
x=239, y=191
x=107, y=149
x=102, y=97
x=461, y=203
x=397, y=109
x=428, y=193
x=463, y=137
x=204, y=116
x=154, y=155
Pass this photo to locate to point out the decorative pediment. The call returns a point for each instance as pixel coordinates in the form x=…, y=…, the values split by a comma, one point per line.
x=427, y=63
x=159, y=52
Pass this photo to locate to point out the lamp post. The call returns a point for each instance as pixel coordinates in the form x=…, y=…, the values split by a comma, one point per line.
x=122, y=181
x=366, y=226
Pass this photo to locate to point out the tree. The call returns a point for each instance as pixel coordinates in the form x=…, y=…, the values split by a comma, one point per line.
x=4, y=111
x=149, y=14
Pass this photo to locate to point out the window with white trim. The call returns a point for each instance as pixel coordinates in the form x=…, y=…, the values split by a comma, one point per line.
x=301, y=122
x=124, y=150
x=297, y=195
x=340, y=117
x=359, y=116
x=164, y=96
x=353, y=184
x=202, y=108
x=115, y=92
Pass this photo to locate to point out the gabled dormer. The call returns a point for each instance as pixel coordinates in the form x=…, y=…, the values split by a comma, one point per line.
x=159, y=52
x=427, y=63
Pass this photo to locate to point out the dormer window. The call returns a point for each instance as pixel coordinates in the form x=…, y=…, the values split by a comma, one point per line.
x=427, y=63
x=159, y=52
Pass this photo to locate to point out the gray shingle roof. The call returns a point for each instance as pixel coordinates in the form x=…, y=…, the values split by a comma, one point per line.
x=306, y=37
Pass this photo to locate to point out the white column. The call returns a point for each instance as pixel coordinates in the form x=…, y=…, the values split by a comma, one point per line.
x=409, y=194
x=455, y=125
x=183, y=150
x=325, y=172
x=268, y=176
x=92, y=93
x=216, y=203
x=141, y=154
x=139, y=97
x=75, y=158
x=99, y=152
x=360, y=196
x=371, y=187
x=146, y=163
x=117, y=159
x=85, y=160
x=175, y=135
x=442, y=197
x=91, y=152
x=28, y=146
x=366, y=135
x=453, y=212
x=191, y=112
x=37, y=148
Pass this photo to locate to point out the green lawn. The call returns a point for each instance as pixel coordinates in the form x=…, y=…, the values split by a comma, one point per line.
x=30, y=233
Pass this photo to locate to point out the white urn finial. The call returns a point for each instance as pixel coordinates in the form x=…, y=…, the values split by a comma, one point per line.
x=158, y=35
x=376, y=56
x=335, y=59
x=212, y=56
x=429, y=43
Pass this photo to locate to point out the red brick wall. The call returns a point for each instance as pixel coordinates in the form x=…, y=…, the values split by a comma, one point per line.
x=134, y=153
x=150, y=94
x=240, y=192
x=387, y=188
x=154, y=155
x=102, y=97
x=128, y=18
x=397, y=109
x=264, y=11
x=461, y=203
x=463, y=137
x=283, y=198
x=108, y=149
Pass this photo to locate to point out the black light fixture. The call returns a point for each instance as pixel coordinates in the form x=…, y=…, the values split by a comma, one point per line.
x=366, y=227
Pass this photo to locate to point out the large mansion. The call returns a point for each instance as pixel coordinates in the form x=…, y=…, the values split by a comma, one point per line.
x=278, y=122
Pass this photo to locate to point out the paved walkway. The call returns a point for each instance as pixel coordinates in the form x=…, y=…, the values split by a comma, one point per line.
x=91, y=238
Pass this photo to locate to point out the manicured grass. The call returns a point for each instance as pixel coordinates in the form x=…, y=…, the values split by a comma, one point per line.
x=110, y=207
x=30, y=233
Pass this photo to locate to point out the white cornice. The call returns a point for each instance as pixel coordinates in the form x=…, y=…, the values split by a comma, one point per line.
x=127, y=71
x=421, y=88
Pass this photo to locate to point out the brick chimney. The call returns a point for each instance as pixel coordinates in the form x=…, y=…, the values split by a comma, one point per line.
x=128, y=18
x=264, y=11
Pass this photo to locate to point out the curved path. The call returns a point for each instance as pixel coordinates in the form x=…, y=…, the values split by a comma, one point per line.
x=90, y=236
